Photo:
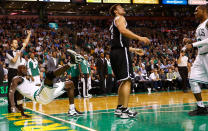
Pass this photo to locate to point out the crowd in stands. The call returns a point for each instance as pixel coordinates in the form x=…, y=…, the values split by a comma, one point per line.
x=156, y=70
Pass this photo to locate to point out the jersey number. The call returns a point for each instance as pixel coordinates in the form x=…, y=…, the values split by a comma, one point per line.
x=201, y=32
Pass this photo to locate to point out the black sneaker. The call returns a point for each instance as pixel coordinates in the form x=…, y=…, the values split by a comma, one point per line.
x=74, y=113
x=118, y=111
x=127, y=113
x=199, y=111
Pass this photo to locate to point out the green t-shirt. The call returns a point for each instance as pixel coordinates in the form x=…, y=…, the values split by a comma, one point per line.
x=84, y=67
x=34, y=71
x=73, y=71
x=110, y=71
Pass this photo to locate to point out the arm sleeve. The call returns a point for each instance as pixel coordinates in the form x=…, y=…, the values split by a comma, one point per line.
x=200, y=43
x=9, y=56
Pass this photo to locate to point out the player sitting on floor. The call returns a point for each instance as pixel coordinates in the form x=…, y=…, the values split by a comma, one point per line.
x=48, y=91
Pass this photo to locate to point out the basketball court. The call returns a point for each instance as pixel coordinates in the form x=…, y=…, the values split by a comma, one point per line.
x=157, y=111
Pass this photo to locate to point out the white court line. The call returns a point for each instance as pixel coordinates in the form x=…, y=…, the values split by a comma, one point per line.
x=164, y=111
x=69, y=122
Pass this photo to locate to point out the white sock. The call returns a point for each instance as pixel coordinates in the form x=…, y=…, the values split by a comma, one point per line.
x=200, y=103
x=72, y=107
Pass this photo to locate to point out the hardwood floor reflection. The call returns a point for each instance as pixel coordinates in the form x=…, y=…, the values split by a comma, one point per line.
x=110, y=102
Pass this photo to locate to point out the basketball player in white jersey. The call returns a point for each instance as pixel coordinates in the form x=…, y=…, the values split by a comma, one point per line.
x=199, y=70
x=48, y=91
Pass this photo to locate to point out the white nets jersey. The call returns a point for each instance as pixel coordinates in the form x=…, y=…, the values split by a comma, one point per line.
x=201, y=34
x=27, y=88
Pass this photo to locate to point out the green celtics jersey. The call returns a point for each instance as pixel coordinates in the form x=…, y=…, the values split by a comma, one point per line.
x=84, y=67
x=109, y=67
x=89, y=68
x=33, y=67
x=74, y=71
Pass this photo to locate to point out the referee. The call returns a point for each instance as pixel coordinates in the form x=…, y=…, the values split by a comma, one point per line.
x=13, y=56
x=183, y=70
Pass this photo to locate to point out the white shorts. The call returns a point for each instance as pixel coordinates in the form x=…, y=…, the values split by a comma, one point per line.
x=37, y=80
x=199, y=69
x=47, y=94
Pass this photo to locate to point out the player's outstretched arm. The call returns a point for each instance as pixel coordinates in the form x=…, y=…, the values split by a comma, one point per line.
x=200, y=43
x=121, y=25
x=25, y=43
x=137, y=51
x=12, y=90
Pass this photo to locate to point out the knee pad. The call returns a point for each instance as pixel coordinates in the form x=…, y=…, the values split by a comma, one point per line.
x=195, y=88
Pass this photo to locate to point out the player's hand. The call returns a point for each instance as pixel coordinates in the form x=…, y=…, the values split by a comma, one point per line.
x=139, y=52
x=29, y=32
x=189, y=46
x=24, y=45
x=145, y=40
x=14, y=110
x=186, y=40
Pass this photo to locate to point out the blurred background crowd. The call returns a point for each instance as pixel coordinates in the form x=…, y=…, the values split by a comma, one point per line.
x=157, y=70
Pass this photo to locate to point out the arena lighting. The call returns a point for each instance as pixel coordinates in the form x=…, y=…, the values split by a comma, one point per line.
x=146, y=1
x=197, y=2
x=13, y=13
x=175, y=2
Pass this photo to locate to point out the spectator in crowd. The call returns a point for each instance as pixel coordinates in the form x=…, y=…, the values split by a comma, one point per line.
x=183, y=70
x=84, y=72
x=154, y=76
x=109, y=79
x=33, y=69
x=102, y=71
x=171, y=77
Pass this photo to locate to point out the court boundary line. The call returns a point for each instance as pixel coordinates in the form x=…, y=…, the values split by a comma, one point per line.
x=59, y=119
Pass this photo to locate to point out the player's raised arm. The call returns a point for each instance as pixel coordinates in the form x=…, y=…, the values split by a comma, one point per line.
x=121, y=25
x=26, y=41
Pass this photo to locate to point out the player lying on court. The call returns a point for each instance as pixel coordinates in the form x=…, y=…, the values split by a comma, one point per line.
x=48, y=91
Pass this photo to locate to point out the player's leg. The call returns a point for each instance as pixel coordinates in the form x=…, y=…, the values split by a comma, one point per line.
x=69, y=87
x=75, y=59
x=124, y=74
x=198, y=75
x=20, y=105
x=123, y=93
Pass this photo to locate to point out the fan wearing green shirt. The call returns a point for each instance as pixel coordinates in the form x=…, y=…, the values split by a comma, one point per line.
x=109, y=79
x=33, y=69
x=84, y=73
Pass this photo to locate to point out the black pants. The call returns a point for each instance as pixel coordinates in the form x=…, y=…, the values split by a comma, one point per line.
x=86, y=84
x=102, y=83
x=109, y=83
x=75, y=81
x=11, y=74
x=183, y=71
